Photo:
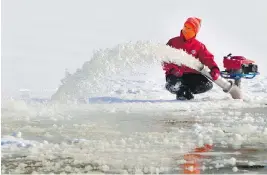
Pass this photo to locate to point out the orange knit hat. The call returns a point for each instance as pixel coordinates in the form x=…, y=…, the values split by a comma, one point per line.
x=195, y=22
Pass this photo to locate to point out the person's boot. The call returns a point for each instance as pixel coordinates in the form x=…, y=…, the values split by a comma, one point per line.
x=184, y=94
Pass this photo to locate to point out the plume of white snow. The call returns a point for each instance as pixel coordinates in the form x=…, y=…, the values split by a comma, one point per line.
x=106, y=70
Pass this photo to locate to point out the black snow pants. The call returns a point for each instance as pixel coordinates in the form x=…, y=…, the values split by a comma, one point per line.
x=192, y=83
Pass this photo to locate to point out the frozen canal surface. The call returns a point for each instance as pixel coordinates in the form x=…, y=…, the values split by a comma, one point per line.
x=134, y=137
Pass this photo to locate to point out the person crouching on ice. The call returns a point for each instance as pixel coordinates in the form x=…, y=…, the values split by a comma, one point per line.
x=184, y=81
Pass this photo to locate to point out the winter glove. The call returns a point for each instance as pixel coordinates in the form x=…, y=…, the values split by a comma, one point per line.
x=215, y=73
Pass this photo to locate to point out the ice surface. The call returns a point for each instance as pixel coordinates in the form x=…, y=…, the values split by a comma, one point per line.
x=119, y=118
x=131, y=137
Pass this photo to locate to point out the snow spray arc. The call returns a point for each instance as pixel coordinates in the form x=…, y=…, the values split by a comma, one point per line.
x=90, y=80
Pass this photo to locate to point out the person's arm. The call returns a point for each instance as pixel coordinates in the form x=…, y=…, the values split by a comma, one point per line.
x=207, y=58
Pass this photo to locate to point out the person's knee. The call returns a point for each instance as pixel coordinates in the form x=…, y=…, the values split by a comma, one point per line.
x=172, y=79
x=172, y=83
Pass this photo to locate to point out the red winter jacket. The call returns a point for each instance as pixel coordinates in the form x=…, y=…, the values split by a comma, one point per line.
x=193, y=47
